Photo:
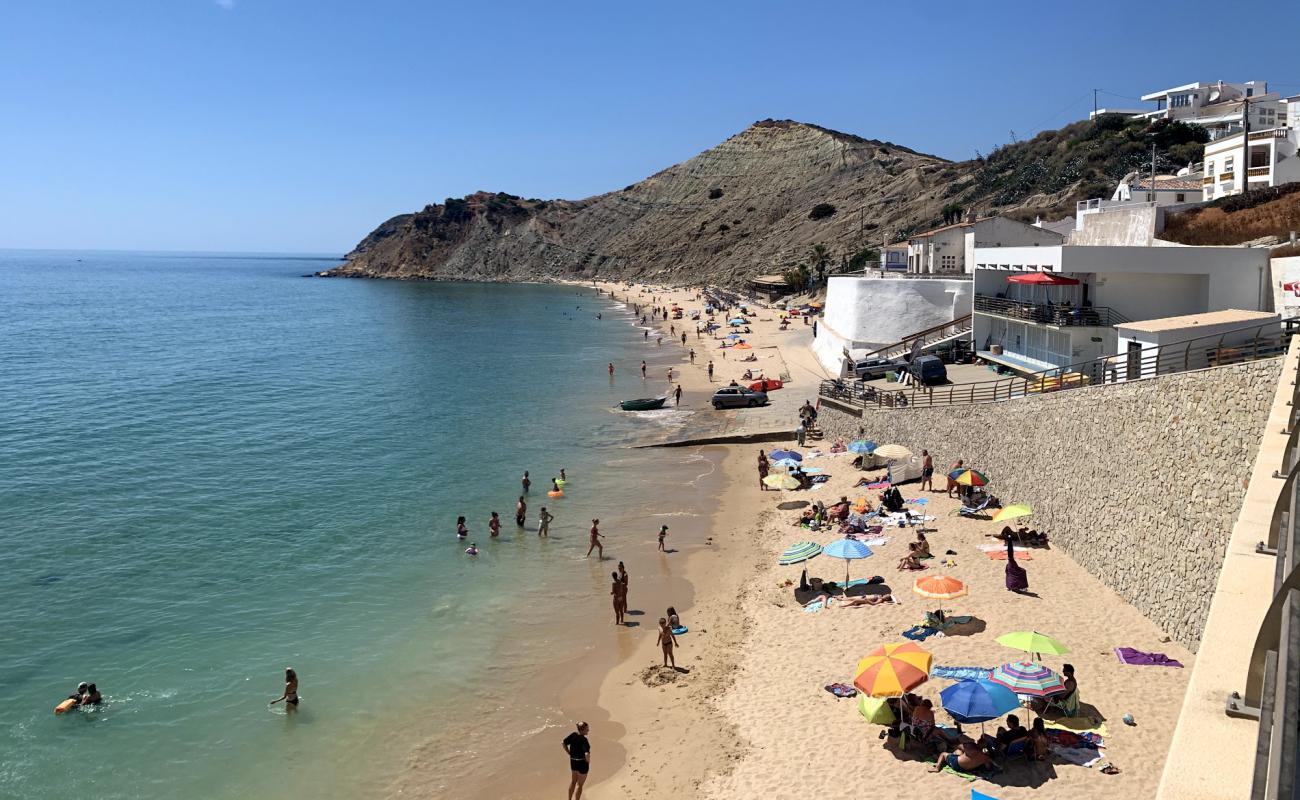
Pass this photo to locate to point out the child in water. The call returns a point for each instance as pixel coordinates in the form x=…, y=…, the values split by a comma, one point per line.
x=472, y=550
x=461, y=530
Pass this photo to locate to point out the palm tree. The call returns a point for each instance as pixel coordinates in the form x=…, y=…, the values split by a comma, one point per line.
x=820, y=258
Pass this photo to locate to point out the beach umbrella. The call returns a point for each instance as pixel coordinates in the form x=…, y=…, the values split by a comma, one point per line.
x=978, y=701
x=860, y=505
x=797, y=553
x=893, y=670
x=968, y=477
x=1013, y=511
x=1026, y=677
x=849, y=550
x=733, y=336
x=786, y=463
x=939, y=587
x=876, y=710
x=861, y=446
x=743, y=346
x=781, y=482
x=736, y=322
x=777, y=455
x=1032, y=642
x=893, y=451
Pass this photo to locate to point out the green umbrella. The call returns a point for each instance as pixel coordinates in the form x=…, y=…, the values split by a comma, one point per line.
x=1032, y=642
x=803, y=551
x=876, y=710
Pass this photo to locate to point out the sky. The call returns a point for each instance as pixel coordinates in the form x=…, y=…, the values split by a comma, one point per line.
x=286, y=126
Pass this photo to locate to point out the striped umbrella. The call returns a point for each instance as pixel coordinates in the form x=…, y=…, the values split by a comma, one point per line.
x=968, y=477
x=803, y=551
x=786, y=463
x=861, y=446
x=892, y=451
x=1026, y=677
x=1013, y=511
x=849, y=550
x=939, y=587
x=893, y=670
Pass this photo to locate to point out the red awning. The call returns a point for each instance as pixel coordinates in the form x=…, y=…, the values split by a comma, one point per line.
x=1043, y=279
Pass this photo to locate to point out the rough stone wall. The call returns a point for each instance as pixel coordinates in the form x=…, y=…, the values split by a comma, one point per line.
x=1139, y=483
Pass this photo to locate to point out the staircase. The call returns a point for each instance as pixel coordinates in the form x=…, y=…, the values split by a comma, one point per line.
x=924, y=340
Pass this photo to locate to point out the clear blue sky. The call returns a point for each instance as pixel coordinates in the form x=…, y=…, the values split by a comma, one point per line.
x=274, y=125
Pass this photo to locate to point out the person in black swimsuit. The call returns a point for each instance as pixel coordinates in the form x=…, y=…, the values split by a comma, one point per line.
x=579, y=751
x=290, y=696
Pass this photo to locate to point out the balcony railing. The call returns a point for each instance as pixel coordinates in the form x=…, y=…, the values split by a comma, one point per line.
x=1227, y=176
x=1047, y=314
x=1258, y=172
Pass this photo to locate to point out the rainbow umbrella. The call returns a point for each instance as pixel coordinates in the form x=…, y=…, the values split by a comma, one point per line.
x=1026, y=677
x=893, y=670
x=968, y=477
x=939, y=587
x=1013, y=511
x=802, y=551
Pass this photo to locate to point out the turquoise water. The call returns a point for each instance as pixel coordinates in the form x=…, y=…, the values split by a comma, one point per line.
x=213, y=468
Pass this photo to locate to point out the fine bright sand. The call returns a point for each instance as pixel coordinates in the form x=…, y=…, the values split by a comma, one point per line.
x=751, y=719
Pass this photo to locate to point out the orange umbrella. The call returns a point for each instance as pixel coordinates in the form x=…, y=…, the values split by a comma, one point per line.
x=893, y=670
x=939, y=587
x=742, y=346
x=860, y=505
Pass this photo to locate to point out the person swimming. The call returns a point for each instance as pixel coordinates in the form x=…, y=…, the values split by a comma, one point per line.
x=494, y=524
x=472, y=550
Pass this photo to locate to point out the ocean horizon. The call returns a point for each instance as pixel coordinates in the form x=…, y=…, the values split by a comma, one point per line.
x=215, y=468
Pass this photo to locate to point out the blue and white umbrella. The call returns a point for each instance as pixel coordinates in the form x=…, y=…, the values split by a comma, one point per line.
x=849, y=550
x=777, y=455
x=861, y=446
x=786, y=463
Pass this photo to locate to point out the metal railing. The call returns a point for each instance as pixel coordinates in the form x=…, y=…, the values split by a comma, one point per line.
x=1237, y=346
x=1272, y=691
x=927, y=337
x=1047, y=314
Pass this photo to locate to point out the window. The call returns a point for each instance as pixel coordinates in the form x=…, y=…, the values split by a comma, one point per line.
x=1180, y=198
x=1180, y=101
x=1209, y=169
x=1250, y=92
x=1227, y=165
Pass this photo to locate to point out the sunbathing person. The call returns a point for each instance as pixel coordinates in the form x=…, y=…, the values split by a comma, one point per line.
x=865, y=600
x=965, y=757
x=922, y=546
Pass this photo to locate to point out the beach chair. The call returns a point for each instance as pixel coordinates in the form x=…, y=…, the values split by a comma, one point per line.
x=971, y=511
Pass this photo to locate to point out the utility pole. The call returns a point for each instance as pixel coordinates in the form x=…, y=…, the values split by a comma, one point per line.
x=1094, y=104
x=1245, y=145
x=1152, y=194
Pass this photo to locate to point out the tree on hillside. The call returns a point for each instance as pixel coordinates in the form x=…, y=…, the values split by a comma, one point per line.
x=819, y=258
x=798, y=278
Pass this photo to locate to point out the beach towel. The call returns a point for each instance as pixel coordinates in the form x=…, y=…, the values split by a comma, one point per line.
x=879, y=541
x=879, y=485
x=1002, y=548
x=1074, y=755
x=966, y=776
x=1001, y=555
x=961, y=673
x=841, y=690
x=919, y=633
x=920, y=501
x=1129, y=655
x=815, y=606
x=975, y=794
x=1075, y=725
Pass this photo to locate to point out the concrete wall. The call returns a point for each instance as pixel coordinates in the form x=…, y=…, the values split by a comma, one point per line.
x=1139, y=483
x=1286, y=285
x=1144, y=295
x=865, y=313
x=1003, y=232
x=1127, y=226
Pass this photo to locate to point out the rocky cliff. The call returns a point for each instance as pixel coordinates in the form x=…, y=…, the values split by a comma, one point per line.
x=753, y=204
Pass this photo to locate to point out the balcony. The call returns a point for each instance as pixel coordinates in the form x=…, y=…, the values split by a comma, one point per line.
x=1259, y=172
x=1058, y=315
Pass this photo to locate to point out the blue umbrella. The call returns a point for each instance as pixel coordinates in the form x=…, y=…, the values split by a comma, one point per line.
x=785, y=463
x=738, y=321
x=849, y=550
x=733, y=336
x=861, y=446
x=777, y=455
x=977, y=700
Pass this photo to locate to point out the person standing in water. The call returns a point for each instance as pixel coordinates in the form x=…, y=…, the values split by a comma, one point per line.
x=526, y=482
x=494, y=525
x=290, y=696
x=544, y=523
x=642, y=370
x=611, y=369
x=667, y=641
x=622, y=574
x=461, y=530
x=578, y=749
x=563, y=477
x=595, y=541
x=618, y=590
x=521, y=511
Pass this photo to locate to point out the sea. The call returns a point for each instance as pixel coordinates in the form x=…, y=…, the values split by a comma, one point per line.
x=213, y=467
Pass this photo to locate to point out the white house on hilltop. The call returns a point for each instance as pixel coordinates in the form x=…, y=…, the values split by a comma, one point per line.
x=950, y=249
x=1272, y=161
x=1218, y=106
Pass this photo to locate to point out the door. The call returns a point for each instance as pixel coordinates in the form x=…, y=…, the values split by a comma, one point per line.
x=1133, y=370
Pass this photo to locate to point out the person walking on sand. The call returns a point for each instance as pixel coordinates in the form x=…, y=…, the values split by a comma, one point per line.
x=521, y=511
x=763, y=469
x=692, y=355
x=494, y=525
x=290, y=696
x=667, y=641
x=663, y=534
x=953, y=486
x=710, y=372
x=927, y=471
x=683, y=338
x=595, y=541
x=526, y=482
x=622, y=574
x=618, y=591
x=800, y=432
x=578, y=749
x=544, y=523
x=677, y=395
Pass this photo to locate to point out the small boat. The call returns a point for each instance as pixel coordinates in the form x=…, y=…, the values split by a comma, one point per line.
x=644, y=404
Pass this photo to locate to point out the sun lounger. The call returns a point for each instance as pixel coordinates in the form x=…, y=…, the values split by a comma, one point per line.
x=970, y=511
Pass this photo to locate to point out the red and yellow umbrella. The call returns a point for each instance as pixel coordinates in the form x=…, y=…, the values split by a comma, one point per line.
x=893, y=670
x=939, y=587
x=968, y=477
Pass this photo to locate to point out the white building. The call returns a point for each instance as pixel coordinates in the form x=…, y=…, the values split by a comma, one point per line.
x=1041, y=327
x=1217, y=106
x=893, y=257
x=951, y=248
x=1271, y=161
x=864, y=313
x=1216, y=336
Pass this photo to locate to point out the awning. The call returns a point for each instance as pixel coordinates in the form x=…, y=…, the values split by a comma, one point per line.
x=1042, y=279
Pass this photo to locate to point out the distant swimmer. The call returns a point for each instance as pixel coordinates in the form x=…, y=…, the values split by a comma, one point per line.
x=461, y=530
x=563, y=477
x=544, y=520
x=526, y=482
x=472, y=550
x=494, y=525
x=290, y=696
x=611, y=369
x=521, y=511
x=597, y=315
x=595, y=541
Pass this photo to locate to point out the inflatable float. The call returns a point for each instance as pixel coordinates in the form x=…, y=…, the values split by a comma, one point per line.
x=65, y=706
x=555, y=493
x=680, y=629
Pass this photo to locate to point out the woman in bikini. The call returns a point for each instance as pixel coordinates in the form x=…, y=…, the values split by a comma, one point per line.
x=290, y=696
x=618, y=591
x=595, y=541
x=667, y=641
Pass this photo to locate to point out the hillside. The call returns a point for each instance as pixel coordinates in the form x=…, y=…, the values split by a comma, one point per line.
x=1236, y=219
x=753, y=204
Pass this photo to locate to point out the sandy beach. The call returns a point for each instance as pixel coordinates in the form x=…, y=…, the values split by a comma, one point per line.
x=750, y=716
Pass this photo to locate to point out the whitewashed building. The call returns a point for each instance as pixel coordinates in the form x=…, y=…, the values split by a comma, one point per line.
x=1219, y=107
x=893, y=257
x=951, y=248
x=1030, y=328
x=1270, y=161
x=1146, y=348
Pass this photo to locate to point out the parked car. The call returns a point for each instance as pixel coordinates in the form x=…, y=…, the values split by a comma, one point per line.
x=928, y=370
x=874, y=368
x=738, y=397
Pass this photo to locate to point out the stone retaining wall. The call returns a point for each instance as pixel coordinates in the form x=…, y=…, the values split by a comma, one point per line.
x=1139, y=483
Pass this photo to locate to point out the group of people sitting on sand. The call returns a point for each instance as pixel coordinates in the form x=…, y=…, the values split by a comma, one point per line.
x=1023, y=536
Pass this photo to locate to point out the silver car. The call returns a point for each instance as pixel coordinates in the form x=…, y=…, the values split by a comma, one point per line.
x=738, y=397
